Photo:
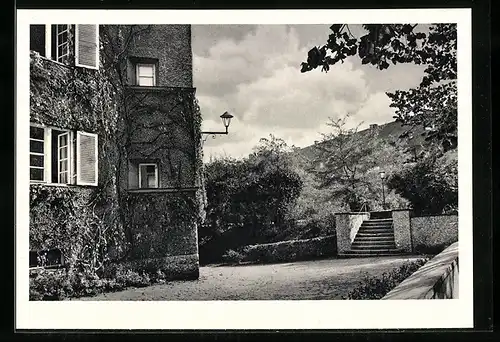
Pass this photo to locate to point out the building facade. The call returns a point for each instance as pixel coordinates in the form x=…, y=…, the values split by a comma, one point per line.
x=115, y=148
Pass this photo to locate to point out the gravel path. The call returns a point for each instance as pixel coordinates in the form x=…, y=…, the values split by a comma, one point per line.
x=319, y=279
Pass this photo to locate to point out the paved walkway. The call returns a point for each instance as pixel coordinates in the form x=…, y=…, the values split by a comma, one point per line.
x=320, y=279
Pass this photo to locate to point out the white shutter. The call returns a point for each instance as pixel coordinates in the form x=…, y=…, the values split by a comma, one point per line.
x=86, y=158
x=87, y=46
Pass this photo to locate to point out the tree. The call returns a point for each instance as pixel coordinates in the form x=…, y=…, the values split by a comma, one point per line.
x=346, y=165
x=250, y=200
x=342, y=158
x=432, y=105
x=430, y=185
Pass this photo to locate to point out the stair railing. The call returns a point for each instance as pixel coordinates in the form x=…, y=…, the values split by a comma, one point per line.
x=364, y=207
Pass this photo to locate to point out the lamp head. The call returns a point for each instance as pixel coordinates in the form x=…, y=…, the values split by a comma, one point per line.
x=226, y=119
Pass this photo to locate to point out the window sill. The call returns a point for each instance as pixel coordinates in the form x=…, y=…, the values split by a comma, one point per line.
x=159, y=190
x=61, y=185
x=157, y=88
x=56, y=62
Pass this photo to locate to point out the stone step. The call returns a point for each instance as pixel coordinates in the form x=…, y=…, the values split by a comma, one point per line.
x=372, y=242
x=374, y=251
x=370, y=249
x=363, y=242
x=379, y=249
x=389, y=220
x=375, y=230
x=375, y=227
x=375, y=234
x=376, y=224
x=366, y=255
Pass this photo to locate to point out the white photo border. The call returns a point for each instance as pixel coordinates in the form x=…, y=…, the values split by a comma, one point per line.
x=321, y=314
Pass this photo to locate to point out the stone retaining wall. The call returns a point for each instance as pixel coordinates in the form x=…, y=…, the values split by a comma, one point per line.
x=437, y=279
x=347, y=226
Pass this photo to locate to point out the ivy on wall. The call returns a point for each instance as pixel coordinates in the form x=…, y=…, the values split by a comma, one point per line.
x=91, y=225
x=82, y=222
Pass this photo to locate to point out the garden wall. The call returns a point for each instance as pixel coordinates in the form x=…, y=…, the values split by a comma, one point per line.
x=293, y=250
x=424, y=234
x=347, y=226
x=434, y=233
x=437, y=279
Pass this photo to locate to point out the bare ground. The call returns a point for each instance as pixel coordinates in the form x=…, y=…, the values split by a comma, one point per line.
x=319, y=279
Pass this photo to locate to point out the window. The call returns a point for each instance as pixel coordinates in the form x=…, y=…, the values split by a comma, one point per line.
x=145, y=75
x=63, y=156
x=148, y=176
x=37, y=156
x=62, y=43
x=53, y=42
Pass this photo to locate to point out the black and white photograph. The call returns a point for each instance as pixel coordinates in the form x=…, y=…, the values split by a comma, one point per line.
x=178, y=161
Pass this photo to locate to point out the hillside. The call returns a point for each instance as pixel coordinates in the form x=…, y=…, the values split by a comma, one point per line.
x=389, y=132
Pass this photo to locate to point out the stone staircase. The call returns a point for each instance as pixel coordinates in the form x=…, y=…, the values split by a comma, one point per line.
x=375, y=237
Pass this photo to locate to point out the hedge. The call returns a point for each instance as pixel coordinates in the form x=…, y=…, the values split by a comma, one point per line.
x=284, y=251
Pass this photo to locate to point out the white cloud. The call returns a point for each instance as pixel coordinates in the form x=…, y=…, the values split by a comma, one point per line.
x=258, y=80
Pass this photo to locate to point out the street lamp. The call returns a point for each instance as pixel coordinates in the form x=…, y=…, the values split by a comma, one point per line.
x=382, y=176
x=226, y=121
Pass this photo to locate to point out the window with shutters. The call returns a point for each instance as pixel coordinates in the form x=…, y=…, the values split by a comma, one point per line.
x=62, y=41
x=59, y=156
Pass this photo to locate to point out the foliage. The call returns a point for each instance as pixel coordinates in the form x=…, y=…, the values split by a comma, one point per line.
x=232, y=257
x=82, y=222
x=175, y=215
x=424, y=249
x=346, y=164
x=256, y=192
x=249, y=199
x=430, y=185
x=433, y=104
x=65, y=218
x=62, y=284
x=284, y=251
x=378, y=287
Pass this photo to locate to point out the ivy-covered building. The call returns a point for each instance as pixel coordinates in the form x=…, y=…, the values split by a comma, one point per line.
x=115, y=148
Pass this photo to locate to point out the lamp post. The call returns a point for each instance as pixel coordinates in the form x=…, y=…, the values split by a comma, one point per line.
x=382, y=176
x=226, y=121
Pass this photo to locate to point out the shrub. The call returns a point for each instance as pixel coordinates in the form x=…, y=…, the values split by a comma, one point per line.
x=232, y=257
x=132, y=278
x=60, y=284
x=285, y=251
x=430, y=250
x=378, y=287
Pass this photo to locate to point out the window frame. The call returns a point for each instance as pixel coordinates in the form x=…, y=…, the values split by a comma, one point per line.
x=60, y=159
x=157, y=181
x=65, y=44
x=138, y=76
x=43, y=154
x=71, y=156
x=70, y=46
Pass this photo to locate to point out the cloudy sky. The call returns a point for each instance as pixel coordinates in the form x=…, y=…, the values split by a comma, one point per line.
x=253, y=71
